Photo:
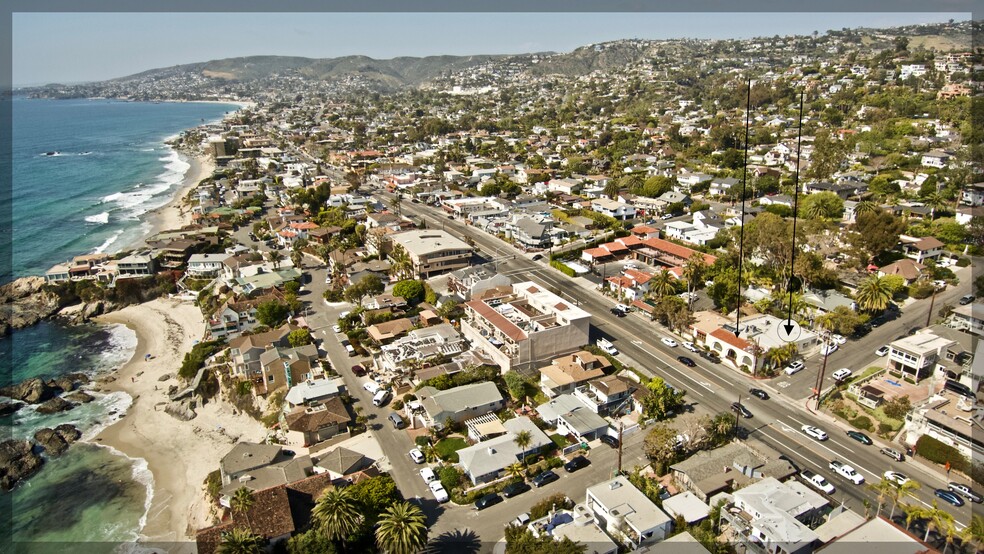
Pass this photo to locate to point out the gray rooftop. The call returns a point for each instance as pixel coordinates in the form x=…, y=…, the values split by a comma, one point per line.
x=622, y=499
x=247, y=455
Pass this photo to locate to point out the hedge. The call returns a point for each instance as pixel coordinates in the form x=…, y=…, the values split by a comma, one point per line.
x=937, y=451
x=562, y=268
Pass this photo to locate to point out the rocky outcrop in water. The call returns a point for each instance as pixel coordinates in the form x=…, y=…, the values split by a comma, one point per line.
x=55, y=405
x=70, y=381
x=7, y=408
x=24, y=302
x=56, y=441
x=79, y=397
x=18, y=461
x=32, y=391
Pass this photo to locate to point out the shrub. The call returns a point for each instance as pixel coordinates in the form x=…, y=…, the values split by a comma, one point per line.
x=397, y=405
x=921, y=289
x=937, y=451
x=963, y=262
x=556, y=501
x=422, y=440
x=562, y=268
x=862, y=422
x=885, y=429
x=450, y=477
x=213, y=483
x=195, y=359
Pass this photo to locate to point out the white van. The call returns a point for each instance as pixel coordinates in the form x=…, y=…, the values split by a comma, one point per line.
x=380, y=397
x=350, y=350
x=607, y=347
x=372, y=386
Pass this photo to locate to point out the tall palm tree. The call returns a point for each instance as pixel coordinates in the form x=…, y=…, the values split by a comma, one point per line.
x=884, y=489
x=780, y=355
x=873, y=294
x=275, y=258
x=949, y=532
x=662, y=284
x=337, y=513
x=693, y=271
x=935, y=201
x=936, y=519
x=904, y=490
x=402, y=529
x=242, y=500
x=401, y=266
x=523, y=439
x=239, y=541
x=866, y=206
x=973, y=534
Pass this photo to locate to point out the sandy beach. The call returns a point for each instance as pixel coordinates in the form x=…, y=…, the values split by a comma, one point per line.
x=179, y=454
x=175, y=215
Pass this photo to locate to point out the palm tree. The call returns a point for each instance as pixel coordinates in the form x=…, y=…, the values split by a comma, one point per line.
x=780, y=355
x=693, y=271
x=935, y=201
x=515, y=470
x=523, y=440
x=401, y=266
x=429, y=452
x=912, y=513
x=662, y=283
x=866, y=206
x=337, y=513
x=239, y=541
x=402, y=529
x=241, y=502
x=885, y=489
x=873, y=294
x=936, y=519
x=816, y=210
x=973, y=534
x=275, y=258
x=949, y=531
x=904, y=490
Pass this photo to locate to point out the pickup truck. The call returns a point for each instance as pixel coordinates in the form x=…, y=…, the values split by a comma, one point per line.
x=607, y=347
x=817, y=481
x=847, y=472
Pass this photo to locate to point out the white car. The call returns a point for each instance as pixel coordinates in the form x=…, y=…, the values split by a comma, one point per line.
x=896, y=477
x=847, y=472
x=438, y=489
x=828, y=349
x=817, y=481
x=838, y=339
x=336, y=329
x=428, y=475
x=668, y=342
x=417, y=456
x=607, y=347
x=680, y=440
x=690, y=346
x=794, y=367
x=882, y=350
x=841, y=374
x=814, y=432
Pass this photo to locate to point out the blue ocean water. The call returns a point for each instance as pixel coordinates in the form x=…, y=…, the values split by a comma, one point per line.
x=84, y=174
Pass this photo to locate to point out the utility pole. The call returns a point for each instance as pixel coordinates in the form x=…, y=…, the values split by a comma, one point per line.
x=823, y=369
x=737, y=415
x=929, y=316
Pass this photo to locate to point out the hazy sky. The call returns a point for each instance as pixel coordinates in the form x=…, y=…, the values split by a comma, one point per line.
x=73, y=47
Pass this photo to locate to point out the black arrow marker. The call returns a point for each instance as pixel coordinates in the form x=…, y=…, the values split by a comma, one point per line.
x=792, y=284
x=741, y=231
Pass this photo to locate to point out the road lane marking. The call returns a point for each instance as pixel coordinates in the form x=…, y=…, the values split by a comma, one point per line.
x=837, y=455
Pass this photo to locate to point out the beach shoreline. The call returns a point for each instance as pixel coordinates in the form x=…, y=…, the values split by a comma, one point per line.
x=174, y=214
x=178, y=454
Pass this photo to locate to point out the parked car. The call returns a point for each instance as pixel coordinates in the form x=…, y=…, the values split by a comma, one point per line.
x=793, y=367
x=522, y=519
x=417, y=456
x=576, y=463
x=428, y=475
x=358, y=370
x=440, y=494
x=607, y=347
x=893, y=454
x=487, y=500
x=336, y=329
x=537, y=257
x=882, y=350
x=617, y=312
x=686, y=361
x=966, y=299
x=896, y=477
x=814, y=432
x=949, y=496
x=828, y=349
x=966, y=492
x=544, y=478
x=759, y=393
x=397, y=420
x=711, y=357
x=680, y=440
x=838, y=339
x=609, y=440
x=860, y=437
x=736, y=407
x=371, y=386
x=690, y=346
x=841, y=374
x=381, y=398
x=817, y=481
x=668, y=342
x=846, y=472
x=515, y=489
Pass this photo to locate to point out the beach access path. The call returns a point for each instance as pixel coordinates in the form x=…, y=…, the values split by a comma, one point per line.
x=179, y=454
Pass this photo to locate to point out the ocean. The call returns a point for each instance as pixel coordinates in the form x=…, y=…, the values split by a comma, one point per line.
x=85, y=174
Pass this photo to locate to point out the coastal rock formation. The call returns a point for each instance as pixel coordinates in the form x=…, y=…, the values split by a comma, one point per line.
x=80, y=313
x=79, y=397
x=31, y=391
x=17, y=461
x=7, y=408
x=183, y=410
x=70, y=381
x=55, y=405
x=56, y=441
x=24, y=302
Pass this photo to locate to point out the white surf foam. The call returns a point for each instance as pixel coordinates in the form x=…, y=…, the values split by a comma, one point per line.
x=144, y=197
x=142, y=475
x=102, y=247
x=98, y=218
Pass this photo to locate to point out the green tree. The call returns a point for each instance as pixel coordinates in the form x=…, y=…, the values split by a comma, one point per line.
x=375, y=495
x=402, y=529
x=659, y=447
x=662, y=284
x=821, y=205
x=368, y=285
x=876, y=232
x=694, y=270
x=271, y=313
x=411, y=290
x=239, y=540
x=299, y=337
x=520, y=540
x=842, y=320
x=337, y=513
x=828, y=154
x=898, y=407
x=523, y=439
x=872, y=294
x=973, y=534
x=242, y=501
x=661, y=399
x=401, y=265
x=724, y=291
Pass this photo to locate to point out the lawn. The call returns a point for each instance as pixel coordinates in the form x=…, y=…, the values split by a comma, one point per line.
x=447, y=449
x=559, y=440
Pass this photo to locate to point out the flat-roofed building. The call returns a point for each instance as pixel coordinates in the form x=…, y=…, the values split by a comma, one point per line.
x=624, y=511
x=434, y=252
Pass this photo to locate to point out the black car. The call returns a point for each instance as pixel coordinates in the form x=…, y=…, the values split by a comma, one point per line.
x=686, y=361
x=576, y=463
x=487, y=500
x=609, y=440
x=759, y=393
x=617, y=312
x=860, y=437
x=514, y=489
x=949, y=496
x=544, y=478
x=710, y=356
x=736, y=407
x=537, y=257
